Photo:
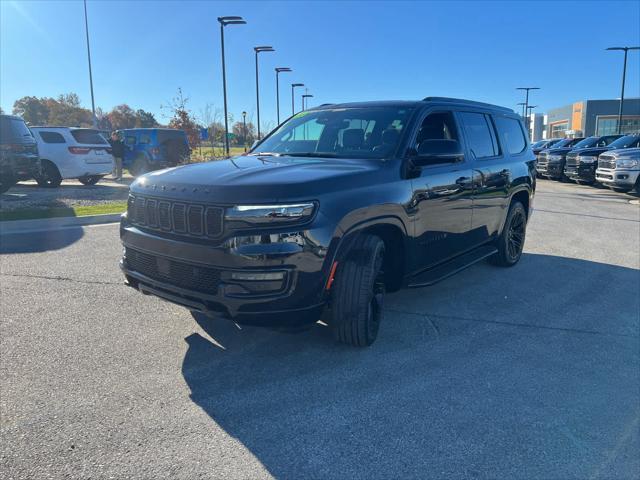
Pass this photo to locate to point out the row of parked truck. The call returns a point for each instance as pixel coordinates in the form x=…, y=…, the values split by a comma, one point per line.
x=50, y=154
x=610, y=160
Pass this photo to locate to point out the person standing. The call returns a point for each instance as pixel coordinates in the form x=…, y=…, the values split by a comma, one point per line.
x=117, y=150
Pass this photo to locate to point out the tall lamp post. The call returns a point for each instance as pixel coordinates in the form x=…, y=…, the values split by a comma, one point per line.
x=304, y=100
x=526, y=101
x=244, y=130
x=293, y=87
x=522, y=104
x=624, y=74
x=224, y=21
x=86, y=28
x=279, y=70
x=259, y=50
x=529, y=111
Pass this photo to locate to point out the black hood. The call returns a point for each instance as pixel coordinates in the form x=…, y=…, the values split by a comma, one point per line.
x=259, y=179
x=558, y=151
x=592, y=151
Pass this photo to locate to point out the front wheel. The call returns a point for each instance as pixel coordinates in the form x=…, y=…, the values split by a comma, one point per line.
x=90, y=180
x=358, y=293
x=6, y=182
x=510, y=243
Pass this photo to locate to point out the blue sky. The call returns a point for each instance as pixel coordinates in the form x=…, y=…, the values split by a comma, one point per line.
x=344, y=51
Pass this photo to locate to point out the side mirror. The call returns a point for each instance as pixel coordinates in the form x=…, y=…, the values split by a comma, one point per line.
x=432, y=152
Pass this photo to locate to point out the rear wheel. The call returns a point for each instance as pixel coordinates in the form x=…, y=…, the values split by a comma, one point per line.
x=511, y=241
x=49, y=176
x=358, y=293
x=6, y=182
x=90, y=180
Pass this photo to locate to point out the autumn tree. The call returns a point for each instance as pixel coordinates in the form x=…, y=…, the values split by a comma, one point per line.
x=122, y=116
x=239, y=134
x=145, y=119
x=33, y=110
x=66, y=111
x=180, y=117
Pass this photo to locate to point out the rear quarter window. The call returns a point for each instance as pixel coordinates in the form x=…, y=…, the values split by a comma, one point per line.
x=14, y=129
x=165, y=135
x=88, y=136
x=51, y=137
x=511, y=135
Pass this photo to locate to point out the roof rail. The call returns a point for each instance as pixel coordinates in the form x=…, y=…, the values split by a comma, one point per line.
x=466, y=102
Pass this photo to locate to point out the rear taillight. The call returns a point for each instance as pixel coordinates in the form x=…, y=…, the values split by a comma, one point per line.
x=79, y=150
x=155, y=151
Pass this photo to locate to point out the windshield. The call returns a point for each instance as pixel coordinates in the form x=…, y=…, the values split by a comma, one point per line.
x=562, y=143
x=538, y=144
x=370, y=132
x=627, y=141
x=587, y=142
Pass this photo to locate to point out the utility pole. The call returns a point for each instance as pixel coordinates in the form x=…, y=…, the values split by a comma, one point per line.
x=624, y=74
x=526, y=102
x=93, y=104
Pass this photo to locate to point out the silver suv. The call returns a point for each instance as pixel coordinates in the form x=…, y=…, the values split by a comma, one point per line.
x=620, y=169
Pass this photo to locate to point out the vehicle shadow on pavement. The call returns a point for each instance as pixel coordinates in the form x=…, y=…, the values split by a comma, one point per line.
x=44, y=241
x=493, y=373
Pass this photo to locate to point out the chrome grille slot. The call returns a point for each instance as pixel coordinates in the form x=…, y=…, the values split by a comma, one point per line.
x=194, y=217
x=164, y=215
x=152, y=213
x=607, y=161
x=139, y=209
x=214, y=221
x=179, y=218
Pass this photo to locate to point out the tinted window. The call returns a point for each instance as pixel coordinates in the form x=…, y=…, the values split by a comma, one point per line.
x=145, y=139
x=51, y=137
x=587, y=142
x=165, y=135
x=511, y=134
x=129, y=140
x=628, y=141
x=88, y=136
x=479, y=134
x=12, y=129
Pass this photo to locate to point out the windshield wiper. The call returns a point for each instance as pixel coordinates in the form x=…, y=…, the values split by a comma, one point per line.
x=265, y=154
x=310, y=154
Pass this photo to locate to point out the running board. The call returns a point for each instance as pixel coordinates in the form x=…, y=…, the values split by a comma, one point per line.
x=453, y=266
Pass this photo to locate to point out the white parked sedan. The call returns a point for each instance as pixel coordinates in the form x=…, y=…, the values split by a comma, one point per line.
x=65, y=152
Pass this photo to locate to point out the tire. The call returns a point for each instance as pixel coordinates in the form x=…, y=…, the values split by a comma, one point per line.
x=90, y=180
x=511, y=241
x=140, y=166
x=50, y=175
x=358, y=293
x=6, y=182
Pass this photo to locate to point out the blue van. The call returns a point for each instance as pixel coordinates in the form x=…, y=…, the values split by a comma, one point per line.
x=147, y=149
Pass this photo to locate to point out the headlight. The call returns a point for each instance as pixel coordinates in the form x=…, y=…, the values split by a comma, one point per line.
x=554, y=157
x=587, y=159
x=622, y=163
x=274, y=215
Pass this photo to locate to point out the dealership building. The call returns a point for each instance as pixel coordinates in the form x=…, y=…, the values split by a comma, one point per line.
x=586, y=118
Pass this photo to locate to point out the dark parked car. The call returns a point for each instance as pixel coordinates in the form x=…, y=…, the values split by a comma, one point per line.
x=148, y=149
x=18, y=152
x=550, y=162
x=543, y=145
x=337, y=206
x=582, y=162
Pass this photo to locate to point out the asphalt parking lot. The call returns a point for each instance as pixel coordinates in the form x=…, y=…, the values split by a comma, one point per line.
x=529, y=372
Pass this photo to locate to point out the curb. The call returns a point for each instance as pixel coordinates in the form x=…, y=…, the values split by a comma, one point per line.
x=44, y=224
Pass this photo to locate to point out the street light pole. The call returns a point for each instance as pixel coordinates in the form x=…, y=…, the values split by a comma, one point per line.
x=244, y=130
x=278, y=71
x=224, y=21
x=526, y=102
x=93, y=104
x=523, y=105
x=624, y=74
x=293, y=86
x=258, y=50
x=304, y=100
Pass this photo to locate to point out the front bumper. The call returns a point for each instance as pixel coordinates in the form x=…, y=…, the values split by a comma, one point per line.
x=212, y=278
x=582, y=172
x=617, y=178
x=550, y=170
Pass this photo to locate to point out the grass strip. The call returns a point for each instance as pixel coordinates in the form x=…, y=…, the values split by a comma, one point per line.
x=79, y=211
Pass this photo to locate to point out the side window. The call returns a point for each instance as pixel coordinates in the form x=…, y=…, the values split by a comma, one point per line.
x=128, y=140
x=145, y=139
x=51, y=137
x=480, y=134
x=511, y=135
x=437, y=126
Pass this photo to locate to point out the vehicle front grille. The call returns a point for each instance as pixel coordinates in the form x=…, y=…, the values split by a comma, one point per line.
x=542, y=161
x=184, y=275
x=607, y=161
x=572, y=160
x=175, y=217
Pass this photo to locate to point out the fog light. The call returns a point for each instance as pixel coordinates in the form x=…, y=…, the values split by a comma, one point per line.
x=257, y=276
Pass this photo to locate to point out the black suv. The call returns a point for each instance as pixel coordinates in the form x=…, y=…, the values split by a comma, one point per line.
x=336, y=206
x=18, y=152
x=550, y=162
x=582, y=164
